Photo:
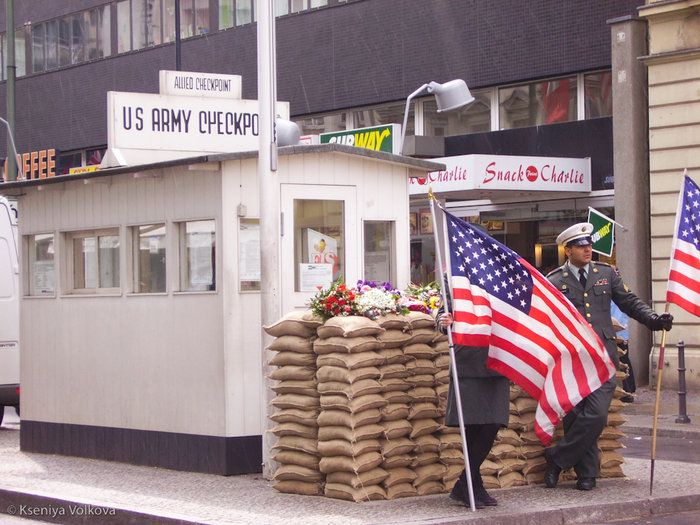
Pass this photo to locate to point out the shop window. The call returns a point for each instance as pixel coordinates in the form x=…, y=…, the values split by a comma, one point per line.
x=41, y=264
x=319, y=243
x=317, y=124
x=94, y=156
x=598, y=90
x=384, y=114
x=249, y=255
x=149, y=258
x=197, y=240
x=538, y=103
x=66, y=161
x=94, y=261
x=473, y=118
x=380, y=260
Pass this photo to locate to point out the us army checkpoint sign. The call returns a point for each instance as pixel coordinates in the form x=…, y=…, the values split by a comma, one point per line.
x=603, y=235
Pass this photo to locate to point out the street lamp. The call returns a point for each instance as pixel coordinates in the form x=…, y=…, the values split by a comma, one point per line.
x=449, y=96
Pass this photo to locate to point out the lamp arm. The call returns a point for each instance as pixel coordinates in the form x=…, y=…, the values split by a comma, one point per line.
x=424, y=88
x=14, y=148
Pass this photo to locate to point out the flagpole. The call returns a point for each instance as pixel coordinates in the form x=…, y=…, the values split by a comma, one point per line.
x=660, y=369
x=453, y=360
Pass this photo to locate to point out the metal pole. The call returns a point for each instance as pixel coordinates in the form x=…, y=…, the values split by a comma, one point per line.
x=178, y=43
x=682, y=414
x=270, y=307
x=11, y=73
x=453, y=359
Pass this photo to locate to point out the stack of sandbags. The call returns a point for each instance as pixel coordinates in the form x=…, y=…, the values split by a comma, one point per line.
x=426, y=416
x=296, y=404
x=349, y=435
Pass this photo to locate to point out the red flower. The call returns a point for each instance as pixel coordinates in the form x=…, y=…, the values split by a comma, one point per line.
x=341, y=288
x=341, y=301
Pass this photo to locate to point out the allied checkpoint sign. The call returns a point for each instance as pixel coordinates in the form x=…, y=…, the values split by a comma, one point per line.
x=206, y=116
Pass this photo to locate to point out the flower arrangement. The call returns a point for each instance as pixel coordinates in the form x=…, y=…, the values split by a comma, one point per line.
x=338, y=300
x=372, y=300
x=424, y=297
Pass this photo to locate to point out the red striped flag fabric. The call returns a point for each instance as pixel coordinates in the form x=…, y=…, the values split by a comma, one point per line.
x=535, y=336
x=684, y=276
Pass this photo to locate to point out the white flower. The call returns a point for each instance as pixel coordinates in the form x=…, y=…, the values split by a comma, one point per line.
x=375, y=298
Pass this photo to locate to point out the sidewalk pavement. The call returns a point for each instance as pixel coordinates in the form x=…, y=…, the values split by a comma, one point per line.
x=60, y=489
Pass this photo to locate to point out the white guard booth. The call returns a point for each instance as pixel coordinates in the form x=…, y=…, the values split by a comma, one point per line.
x=140, y=309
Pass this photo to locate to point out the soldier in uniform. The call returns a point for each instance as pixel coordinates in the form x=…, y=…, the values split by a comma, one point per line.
x=591, y=286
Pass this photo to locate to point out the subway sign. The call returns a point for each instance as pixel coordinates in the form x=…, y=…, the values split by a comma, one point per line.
x=377, y=138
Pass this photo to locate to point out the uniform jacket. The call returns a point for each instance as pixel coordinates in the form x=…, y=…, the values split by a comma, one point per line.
x=603, y=285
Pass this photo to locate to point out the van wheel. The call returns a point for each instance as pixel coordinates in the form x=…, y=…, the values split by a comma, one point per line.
x=17, y=410
x=2, y=413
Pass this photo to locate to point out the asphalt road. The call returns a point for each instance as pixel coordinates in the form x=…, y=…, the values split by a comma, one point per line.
x=667, y=448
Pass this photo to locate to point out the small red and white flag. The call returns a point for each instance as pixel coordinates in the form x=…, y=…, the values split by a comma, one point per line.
x=535, y=336
x=684, y=277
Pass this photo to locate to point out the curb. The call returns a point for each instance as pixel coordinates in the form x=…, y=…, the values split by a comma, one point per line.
x=54, y=510
x=661, y=432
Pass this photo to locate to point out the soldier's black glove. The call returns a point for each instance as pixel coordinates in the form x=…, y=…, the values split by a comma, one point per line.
x=660, y=322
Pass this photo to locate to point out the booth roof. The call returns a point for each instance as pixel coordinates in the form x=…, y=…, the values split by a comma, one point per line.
x=416, y=164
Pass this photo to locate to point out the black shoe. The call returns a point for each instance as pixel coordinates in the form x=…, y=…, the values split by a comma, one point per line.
x=585, y=483
x=551, y=475
x=460, y=493
x=483, y=496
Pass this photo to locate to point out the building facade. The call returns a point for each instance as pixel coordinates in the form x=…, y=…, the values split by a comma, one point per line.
x=546, y=86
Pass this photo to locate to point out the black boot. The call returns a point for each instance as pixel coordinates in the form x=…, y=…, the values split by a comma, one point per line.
x=481, y=495
x=460, y=493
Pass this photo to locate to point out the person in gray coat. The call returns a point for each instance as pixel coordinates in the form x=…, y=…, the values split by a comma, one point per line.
x=485, y=396
x=591, y=287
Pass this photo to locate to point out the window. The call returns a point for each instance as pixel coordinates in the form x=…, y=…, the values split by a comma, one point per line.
x=249, y=255
x=380, y=264
x=95, y=260
x=473, y=118
x=598, y=93
x=319, y=243
x=41, y=264
x=149, y=258
x=235, y=13
x=314, y=125
x=543, y=102
x=384, y=114
x=66, y=161
x=197, y=256
x=20, y=57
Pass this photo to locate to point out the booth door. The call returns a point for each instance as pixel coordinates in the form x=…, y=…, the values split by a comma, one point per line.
x=320, y=240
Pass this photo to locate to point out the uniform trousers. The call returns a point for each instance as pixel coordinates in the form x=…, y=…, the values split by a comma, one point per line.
x=480, y=439
x=582, y=427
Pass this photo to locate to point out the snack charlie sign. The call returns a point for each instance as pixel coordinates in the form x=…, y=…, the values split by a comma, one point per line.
x=206, y=115
x=507, y=172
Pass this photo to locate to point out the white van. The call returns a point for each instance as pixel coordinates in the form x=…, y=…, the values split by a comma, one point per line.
x=9, y=307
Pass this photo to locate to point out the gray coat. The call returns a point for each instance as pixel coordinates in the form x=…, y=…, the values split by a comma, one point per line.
x=485, y=394
x=603, y=285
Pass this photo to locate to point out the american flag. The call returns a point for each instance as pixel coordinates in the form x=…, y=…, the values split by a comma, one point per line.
x=684, y=277
x=534, y=334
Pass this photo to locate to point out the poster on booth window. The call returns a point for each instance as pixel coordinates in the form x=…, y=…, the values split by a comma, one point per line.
x=322, y=249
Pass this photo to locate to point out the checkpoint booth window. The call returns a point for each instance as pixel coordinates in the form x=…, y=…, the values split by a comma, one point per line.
x=319, y=243
x=41, y=275
x=149, y=258
x=92, y=261
x=197, y=241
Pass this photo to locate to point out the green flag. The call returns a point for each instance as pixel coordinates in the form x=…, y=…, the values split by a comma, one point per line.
x=603, y=232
